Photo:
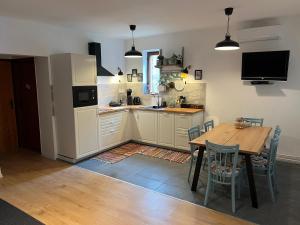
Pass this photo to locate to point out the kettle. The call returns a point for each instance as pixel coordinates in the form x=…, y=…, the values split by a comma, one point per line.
x=137, y=101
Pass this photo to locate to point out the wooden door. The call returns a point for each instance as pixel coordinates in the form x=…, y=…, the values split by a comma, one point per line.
x=25, y=93
x=8, y=130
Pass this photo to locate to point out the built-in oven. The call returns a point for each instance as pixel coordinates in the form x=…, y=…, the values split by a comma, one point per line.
x=84, y=96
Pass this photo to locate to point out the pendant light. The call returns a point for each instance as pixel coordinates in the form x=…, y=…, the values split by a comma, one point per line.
x=227, y=44
x=132, y=53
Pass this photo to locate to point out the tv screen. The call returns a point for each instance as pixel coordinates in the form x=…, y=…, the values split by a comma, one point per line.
x=265, y=65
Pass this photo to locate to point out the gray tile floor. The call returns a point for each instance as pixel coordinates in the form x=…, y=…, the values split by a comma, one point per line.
x=171, y=179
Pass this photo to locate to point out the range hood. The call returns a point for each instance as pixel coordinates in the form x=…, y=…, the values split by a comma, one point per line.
x=95, y=49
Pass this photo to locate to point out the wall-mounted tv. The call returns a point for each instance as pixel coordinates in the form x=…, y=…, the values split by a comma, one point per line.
x=271, y=65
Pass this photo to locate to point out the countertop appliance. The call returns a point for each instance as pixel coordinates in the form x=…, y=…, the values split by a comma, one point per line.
x=137, y=101
x=129, y=97
x=84, y=96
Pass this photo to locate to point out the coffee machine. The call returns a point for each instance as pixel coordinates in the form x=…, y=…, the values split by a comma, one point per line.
x=129, y=97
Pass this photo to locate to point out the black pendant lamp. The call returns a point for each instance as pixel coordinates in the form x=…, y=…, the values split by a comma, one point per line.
x=133, y=53
x=227, y=44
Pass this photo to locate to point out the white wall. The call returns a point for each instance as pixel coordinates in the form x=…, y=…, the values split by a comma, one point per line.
x=227, y=96
x=23, y=37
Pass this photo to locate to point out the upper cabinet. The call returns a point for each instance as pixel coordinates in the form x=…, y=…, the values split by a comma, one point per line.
x=73, y=69
x=84, y=70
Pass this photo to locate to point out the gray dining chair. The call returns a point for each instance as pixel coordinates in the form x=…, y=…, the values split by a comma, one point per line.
x=193, y=133
x=254, y=121
x=267, y=166
x=222, y=169
x=208, y=125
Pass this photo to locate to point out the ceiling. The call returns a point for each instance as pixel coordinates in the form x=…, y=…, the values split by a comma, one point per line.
x=151, y=16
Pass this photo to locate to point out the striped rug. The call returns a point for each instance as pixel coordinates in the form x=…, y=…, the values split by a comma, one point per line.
x=130, y=149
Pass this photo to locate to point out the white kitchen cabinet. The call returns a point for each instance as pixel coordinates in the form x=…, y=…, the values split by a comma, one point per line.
x=111, y=129
x=183, y=122
x=84, y=70
x=166, y=129
x=145, y=126
x=86, y=131
x=126, y=131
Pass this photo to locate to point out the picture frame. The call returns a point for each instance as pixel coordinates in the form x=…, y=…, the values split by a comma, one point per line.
x=140, y=77
x=198, y=74
x=134, y=72
x=129, y=77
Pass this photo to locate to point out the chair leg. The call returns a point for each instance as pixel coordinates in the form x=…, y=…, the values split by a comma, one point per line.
x=191, y=165
x=271, y=187
x=275, y=180
x=239, y=186
x=233, y=196
x=204, y=163
x=207, y=190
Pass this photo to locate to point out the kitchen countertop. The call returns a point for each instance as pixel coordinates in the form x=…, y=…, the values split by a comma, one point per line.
x=107, y=109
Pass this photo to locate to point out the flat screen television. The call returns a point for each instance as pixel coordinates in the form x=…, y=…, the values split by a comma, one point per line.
x=271, y=65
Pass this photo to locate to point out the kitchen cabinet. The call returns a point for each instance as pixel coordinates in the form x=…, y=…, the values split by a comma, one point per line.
x=111, y=129
x=126, y=131
x=84, y=70
x=166, y=129
x=183, y=122
x=86, y=131
x=145, y=126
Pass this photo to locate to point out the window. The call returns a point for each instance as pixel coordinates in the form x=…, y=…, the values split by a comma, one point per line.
x=152, y=73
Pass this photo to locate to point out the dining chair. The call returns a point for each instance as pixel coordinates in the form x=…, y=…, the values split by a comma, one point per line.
x=208, y=125
x=254, y=121
x=277, y=133
x=222, y=169
x=193, y=133
x=267, y=166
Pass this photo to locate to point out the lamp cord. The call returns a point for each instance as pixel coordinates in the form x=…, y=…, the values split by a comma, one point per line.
x=227, y=32
x=132, y=39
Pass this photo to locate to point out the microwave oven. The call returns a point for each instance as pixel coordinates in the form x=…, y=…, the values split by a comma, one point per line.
x=84, y=96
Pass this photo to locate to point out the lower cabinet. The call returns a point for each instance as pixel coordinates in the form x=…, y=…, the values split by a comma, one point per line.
x=86, y=131
x=182, y=123
x=110, y=127
x=165, y=129
x=145, y=126
x=161, y=128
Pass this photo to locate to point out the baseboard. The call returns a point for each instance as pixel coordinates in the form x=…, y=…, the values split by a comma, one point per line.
x=288, y=158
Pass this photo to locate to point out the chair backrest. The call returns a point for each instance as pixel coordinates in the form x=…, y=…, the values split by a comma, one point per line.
x=273, y=149
x=254, y=121
x=277, y=131
x=193, y=133
x=220, y=159
x=208, y=125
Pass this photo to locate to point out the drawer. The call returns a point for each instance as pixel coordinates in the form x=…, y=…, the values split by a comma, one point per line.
x=183, y=121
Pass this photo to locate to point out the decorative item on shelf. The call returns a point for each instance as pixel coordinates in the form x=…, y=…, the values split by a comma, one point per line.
x=179, y=85
x=240, y=123
x=172, y=60
x=134, y=72
x=171, y=85
x=133, y=53
x=129, y=77
x=160, y=61
x=198, y=74
x=120, y=72
x=186, y=70
x=140, y=77
x=227, y=44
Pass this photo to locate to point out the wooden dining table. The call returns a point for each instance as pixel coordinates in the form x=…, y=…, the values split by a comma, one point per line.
x=251, y=141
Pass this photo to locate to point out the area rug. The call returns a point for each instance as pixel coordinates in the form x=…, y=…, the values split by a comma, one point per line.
x=130, y=149
x=10, y=215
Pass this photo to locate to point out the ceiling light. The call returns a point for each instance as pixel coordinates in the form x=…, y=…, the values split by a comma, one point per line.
x=227, y=44
x=133, y=53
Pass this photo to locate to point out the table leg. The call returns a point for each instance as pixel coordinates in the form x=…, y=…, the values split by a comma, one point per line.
x=251, y=181
x=197, y=168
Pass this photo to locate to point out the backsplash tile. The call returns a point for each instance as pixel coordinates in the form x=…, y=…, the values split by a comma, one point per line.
x=195, y=93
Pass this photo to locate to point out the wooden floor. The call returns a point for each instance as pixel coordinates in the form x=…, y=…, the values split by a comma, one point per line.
x=58, y=193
